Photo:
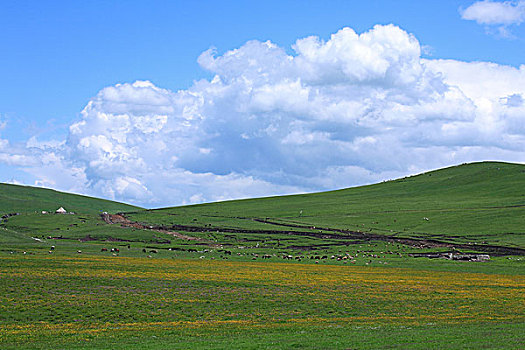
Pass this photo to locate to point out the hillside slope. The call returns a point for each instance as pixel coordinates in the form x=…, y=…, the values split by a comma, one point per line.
x=26, y=199
x=482, y=203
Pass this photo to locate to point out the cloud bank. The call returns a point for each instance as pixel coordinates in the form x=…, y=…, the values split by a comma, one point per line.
x=353, y=109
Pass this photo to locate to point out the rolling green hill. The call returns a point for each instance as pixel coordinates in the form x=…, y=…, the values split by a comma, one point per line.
x=25, y=199
x=30, y=202
x=478, y=203
x=471, y=205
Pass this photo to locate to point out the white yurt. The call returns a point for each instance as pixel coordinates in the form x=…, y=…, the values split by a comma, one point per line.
x=61, y=210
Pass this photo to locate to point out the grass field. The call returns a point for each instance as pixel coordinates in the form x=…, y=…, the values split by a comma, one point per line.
x=328, y=270
x=113, y=302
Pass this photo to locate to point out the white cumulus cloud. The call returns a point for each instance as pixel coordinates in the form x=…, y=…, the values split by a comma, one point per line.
x=501, y=14
x=491, y=12
x=353, y=109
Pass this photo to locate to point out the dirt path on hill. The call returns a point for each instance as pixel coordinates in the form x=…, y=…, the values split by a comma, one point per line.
x=417, y=242
x=342, y=237
x=121, y=220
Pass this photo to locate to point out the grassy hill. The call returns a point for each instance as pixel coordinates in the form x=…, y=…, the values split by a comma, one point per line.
x=482, y=203
x=30, y=202
x=25, y=199
x=471, y=204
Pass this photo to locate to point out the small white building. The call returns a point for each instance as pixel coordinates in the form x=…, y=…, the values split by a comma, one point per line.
x=61, y=211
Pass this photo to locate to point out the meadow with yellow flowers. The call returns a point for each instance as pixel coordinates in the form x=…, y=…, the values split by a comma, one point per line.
x=66, y=301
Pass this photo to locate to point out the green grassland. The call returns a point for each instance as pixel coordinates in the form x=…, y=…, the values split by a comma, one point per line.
x=339, y=268
x=87, y=301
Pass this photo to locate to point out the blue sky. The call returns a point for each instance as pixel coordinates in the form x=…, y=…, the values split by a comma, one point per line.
x=57, y=56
